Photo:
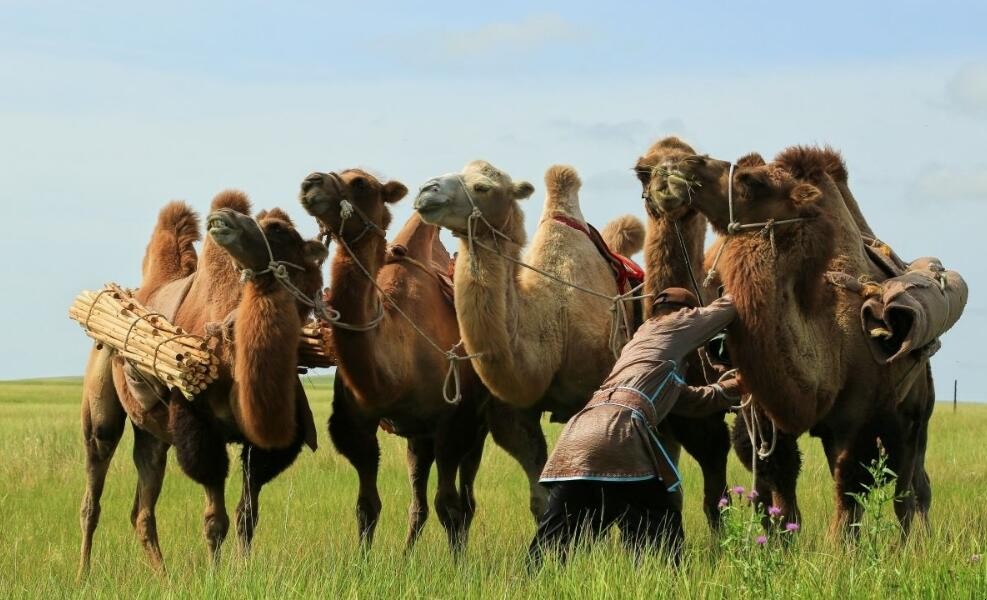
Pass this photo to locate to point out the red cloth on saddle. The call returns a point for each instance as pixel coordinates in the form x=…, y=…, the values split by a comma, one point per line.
x=625, y=270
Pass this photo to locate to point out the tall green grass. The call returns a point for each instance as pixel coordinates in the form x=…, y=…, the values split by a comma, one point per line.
x=306, y=543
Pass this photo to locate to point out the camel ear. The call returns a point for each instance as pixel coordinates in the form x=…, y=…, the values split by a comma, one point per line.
x=522, y=190
x=805, y=194
x=315, y=251
x=394, y=191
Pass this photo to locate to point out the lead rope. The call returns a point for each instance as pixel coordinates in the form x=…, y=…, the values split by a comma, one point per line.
x=346, y=211
x=620, y=326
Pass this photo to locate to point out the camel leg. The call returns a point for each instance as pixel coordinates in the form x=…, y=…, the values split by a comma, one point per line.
x=103, y=420
x=468, y=469
x=259, y=466
x=201, y=453
x=519, y=433
x=421, y=455
x=355, y=437
x=708, y=441
x=776, y=476
x=454, y=441
x=150, y=458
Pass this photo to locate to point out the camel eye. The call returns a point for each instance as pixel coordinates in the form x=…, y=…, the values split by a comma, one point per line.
x=481, y=188
x=359, y=182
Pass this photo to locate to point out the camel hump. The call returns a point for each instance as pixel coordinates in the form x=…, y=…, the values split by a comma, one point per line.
x=171, y=254
x=182, y=221
x=624, y=235
x=234, y=200
x=812, y=162
x=562, y=180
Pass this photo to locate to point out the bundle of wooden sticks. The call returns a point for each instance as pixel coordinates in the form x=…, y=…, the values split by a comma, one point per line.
x=150, y=342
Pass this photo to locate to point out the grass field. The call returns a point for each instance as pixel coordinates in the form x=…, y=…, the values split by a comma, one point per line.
x=306, y=543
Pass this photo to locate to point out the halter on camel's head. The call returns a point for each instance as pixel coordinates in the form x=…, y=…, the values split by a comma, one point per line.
x=751, y=190
x=266, y=245
x=349, y=205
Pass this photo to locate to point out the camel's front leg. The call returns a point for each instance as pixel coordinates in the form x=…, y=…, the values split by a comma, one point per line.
x=355, y=436
x=259, y=466
x=421, y=455
x=519, y=433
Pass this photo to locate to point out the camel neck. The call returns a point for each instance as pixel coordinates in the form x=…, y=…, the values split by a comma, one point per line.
x=489, y=303
x=356, y=299
x=667, y=267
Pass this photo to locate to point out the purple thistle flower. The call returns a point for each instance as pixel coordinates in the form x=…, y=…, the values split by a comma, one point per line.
x=752, y=496
x=975, y=558
x=724, y=502
x=774, y=511
x=761, y=540
x=791, y=527
x=739, y=490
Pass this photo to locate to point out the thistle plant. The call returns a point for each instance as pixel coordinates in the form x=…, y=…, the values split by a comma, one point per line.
x=876, y=528
x=753, y=539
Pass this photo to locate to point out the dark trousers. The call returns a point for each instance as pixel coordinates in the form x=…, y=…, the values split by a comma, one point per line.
x=645, y=513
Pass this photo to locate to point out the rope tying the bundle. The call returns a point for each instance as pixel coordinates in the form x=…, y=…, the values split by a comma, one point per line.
x=620, y=320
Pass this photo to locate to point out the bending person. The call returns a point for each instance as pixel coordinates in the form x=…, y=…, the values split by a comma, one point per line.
x=608, y=467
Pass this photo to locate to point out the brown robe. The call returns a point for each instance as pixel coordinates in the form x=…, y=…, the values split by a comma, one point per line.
x=613, y=438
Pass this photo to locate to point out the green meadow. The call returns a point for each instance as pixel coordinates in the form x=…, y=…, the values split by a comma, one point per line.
x=306, y=543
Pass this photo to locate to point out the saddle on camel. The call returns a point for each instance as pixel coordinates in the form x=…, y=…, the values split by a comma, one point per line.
x=609, y=467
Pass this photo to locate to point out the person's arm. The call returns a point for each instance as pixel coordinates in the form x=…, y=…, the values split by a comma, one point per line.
x=708, y=399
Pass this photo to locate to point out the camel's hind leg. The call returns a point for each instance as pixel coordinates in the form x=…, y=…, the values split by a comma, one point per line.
x=103, y=420
x=519, y=433
x=708, y=441
x=259, y=467
x=355, y=437
x=150, y=458
x=421, y=455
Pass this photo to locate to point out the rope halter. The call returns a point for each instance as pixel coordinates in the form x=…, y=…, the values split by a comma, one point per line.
x=277, y=268
x=734, y=227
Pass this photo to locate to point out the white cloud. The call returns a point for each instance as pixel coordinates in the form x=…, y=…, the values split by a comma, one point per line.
x=966, y=92
x=940, y=182
x=528, y=34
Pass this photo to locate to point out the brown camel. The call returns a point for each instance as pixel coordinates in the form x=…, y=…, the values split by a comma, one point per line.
x=798, y=340
x=539, y=345
x=674, y=259
x=387, y=372
x=257, y=400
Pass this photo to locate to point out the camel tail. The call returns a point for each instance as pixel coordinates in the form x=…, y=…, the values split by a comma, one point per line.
x=233, y=199
x=624, y=235
x=171, y=252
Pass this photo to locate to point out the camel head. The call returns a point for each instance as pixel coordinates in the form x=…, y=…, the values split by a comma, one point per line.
x=322, y=195
x=449, y=201
x=253, y=244
x=658, y=159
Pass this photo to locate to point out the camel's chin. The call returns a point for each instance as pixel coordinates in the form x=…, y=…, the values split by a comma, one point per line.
x=224, y=236
x=315, y=205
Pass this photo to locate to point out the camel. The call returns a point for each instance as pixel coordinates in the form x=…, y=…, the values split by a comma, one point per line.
x=539, y=345
x=798, y=340
x=389, y=373
x=674, y=262
x=257, y=401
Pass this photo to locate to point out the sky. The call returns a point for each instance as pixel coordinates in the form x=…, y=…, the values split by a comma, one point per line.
x=108, y=110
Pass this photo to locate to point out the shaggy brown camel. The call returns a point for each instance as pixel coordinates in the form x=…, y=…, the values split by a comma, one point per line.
x=798, y=340
x=539, y=345
x=257, y=400
x=387, y=371
x=674, y=259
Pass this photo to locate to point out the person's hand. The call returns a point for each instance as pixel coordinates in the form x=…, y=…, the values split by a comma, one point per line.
x=733, y=388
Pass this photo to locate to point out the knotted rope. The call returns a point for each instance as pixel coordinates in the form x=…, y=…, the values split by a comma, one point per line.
x=620, y=320
x=346, y=211
x=734, y=227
